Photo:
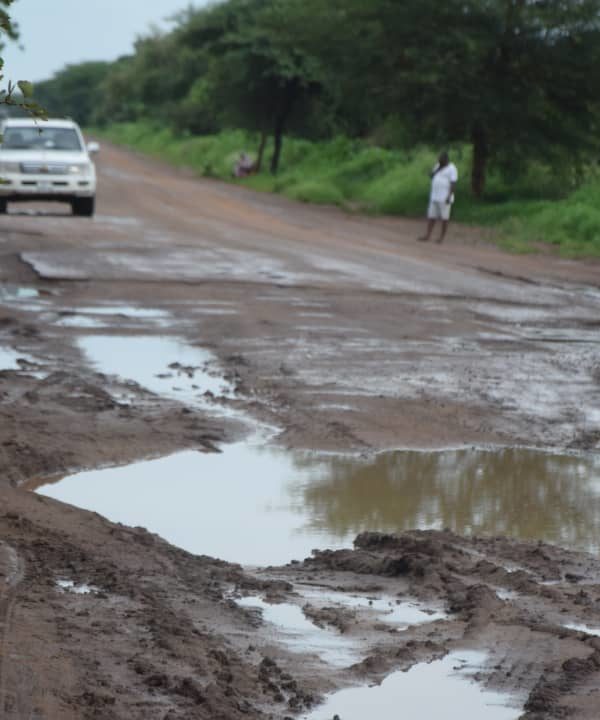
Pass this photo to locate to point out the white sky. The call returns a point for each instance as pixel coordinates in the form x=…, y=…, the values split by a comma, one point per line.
x=57, y=32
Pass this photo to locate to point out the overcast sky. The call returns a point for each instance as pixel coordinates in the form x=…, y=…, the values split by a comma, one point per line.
x=57, y=32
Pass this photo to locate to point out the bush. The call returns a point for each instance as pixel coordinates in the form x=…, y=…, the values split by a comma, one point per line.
x=315, y=192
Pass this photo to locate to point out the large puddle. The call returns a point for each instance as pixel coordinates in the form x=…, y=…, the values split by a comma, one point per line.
x=440, y=689
x=261, y=505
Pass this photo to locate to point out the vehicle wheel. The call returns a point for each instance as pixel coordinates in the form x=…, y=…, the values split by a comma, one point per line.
x=3, y=206
x=83, y=207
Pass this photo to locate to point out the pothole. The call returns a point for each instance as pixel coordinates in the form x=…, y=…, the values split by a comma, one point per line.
x=165, y=366
x=299, y=634
x=441, y=689
x=262, y=505
x=384, y=608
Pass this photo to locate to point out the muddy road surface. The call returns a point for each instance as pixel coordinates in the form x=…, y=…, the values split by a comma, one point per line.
x=190, y=318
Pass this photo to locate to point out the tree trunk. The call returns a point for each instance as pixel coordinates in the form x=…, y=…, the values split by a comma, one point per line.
x=261, y=150
x=278, y=139
x=287, y=102
x=480, y=157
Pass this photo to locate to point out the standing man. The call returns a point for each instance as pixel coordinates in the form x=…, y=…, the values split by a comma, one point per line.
x=444, y=177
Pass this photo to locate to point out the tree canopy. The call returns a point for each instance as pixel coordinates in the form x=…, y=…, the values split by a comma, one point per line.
x=516, y=79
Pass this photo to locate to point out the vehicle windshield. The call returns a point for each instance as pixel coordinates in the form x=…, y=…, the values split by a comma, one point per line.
x=37, y=138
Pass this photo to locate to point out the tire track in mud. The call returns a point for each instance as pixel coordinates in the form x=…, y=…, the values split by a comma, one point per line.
x=12, y=566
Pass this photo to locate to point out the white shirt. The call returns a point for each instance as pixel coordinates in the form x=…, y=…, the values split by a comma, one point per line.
x=442, y=181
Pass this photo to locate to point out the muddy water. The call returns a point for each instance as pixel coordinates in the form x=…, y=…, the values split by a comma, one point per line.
x=408, y=695
x=10, y=293
x=261, y=505
x=299, y=633
x=165, y=366
x=9, y=359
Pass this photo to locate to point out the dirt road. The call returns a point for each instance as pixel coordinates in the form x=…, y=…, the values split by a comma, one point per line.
x=341, y=333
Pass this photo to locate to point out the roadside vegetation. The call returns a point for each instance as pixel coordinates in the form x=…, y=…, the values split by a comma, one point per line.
x=528, y=211
x=349, y=101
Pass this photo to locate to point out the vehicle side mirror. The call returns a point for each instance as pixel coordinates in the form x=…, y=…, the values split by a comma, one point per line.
x=93, y=147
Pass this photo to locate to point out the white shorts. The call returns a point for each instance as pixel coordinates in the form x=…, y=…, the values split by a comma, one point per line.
x=439, y=210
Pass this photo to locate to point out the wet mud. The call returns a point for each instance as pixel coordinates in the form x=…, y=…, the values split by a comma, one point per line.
x=165, y=328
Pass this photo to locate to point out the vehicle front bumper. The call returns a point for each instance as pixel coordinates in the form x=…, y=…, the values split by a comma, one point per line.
x=45, y=187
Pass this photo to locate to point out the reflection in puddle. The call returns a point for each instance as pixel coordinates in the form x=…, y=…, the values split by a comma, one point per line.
x=301, y=635
x=261, y=505
x=441, y=689
x=164, y=366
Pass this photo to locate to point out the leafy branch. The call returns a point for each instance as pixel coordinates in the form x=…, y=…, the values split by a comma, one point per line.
x=17, y=94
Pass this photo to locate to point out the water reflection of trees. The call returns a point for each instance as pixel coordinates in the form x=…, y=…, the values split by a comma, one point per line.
x=521, y=493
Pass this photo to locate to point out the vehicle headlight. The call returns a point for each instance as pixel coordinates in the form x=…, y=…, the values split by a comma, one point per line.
x=80, y=169
x=10, y=167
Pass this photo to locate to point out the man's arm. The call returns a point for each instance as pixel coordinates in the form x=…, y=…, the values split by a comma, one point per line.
x=450, y=193
x=453, y=181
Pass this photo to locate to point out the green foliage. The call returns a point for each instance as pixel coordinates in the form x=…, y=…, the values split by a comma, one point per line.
x=516, y=81
x=17, y=95
x=7, y=26
x=572, y=225
x=73, y=92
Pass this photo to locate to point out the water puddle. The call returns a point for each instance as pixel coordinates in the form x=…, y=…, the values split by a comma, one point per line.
x=215, y=311
x=261, y=505
x=383, y=608
x=130, y=311
x=583, y=628
x=165, y=366
x=80, y=321
x=12, y=359
x=408, y=695
x=299, y=634
x=71, y=586
x=9, y=293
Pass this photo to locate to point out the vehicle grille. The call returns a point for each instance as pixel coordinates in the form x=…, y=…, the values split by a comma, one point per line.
x=44, y=169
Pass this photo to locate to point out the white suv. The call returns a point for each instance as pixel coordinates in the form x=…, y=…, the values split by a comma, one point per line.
x=46, y=160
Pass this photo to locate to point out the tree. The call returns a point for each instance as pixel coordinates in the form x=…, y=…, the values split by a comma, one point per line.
x=518, y=79
x=74, y=91
x=259, y=78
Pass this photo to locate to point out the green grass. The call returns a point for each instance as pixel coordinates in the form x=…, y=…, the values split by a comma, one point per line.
x=528, y=213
